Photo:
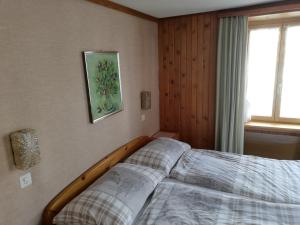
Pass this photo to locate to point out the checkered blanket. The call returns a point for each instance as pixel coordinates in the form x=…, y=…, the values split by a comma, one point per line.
x=179, y=203
x=250, y=176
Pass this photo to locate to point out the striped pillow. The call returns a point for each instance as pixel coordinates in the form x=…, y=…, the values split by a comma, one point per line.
x=161, y=154
x=114, y=199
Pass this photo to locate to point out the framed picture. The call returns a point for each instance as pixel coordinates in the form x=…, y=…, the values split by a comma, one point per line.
x=103, y=84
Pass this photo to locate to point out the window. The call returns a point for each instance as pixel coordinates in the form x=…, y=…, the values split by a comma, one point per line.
x=273, y=88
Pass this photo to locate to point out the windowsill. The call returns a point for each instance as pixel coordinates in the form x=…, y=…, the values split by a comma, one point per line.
x=273, y=128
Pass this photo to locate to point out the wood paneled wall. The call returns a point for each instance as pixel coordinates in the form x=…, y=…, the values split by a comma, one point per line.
x=187, y=59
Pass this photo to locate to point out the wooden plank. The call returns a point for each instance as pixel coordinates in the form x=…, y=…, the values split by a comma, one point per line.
x=124, y=9
x=206, y=75
x=183, y=80
x=200, y=92
x=273, y=22
x=189, y=80
x=191, y=47
x=171, y=76
x=263, y=9
x=194, y=80
x=177, y=64
x=164, y=79
x=161, y=33
x=212, y=81
x=273, y=128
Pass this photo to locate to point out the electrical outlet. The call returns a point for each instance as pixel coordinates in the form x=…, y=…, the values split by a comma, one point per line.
x=143, y=117
x=25, y=180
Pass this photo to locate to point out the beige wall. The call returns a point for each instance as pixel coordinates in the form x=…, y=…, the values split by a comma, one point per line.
x=272, y=146
x=42, y=86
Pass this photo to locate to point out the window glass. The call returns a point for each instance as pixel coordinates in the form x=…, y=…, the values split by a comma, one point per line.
x=290, y=95
x=262, y=65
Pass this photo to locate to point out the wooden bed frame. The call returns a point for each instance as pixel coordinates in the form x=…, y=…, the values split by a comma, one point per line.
x=89, y=176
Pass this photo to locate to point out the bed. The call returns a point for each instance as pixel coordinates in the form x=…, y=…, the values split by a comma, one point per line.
x=178, y=203
x=181, y=186
x=250, y=176
x=90, y=176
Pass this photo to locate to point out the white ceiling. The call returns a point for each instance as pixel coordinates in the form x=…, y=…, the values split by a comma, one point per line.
x=167, y=8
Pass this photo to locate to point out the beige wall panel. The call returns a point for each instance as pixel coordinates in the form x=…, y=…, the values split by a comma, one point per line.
x=42, y=86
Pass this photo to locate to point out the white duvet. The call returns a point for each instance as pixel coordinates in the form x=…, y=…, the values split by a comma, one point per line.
x=175, y=203
x=254, y=177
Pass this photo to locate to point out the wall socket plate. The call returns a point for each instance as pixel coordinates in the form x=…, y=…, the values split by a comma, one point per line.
x=143, y=117
x=25, y=180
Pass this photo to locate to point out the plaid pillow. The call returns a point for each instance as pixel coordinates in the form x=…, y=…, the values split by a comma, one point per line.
x=160, y=154
x=114, y=199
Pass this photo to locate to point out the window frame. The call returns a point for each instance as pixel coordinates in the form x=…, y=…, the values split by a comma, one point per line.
x=282, y=24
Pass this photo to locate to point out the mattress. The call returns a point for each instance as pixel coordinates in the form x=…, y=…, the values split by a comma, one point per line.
x=254, y=177
x=178, y=203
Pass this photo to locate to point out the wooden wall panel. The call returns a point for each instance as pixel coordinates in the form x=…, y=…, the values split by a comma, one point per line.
x=187, y=54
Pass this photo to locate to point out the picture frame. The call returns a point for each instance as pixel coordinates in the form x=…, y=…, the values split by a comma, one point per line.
x=103, y=81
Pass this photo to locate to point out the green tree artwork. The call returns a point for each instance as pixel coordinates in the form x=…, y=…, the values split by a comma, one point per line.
x=103, y=79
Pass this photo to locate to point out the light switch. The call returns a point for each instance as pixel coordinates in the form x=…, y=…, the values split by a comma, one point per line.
x=25, y=180
x=143, y=117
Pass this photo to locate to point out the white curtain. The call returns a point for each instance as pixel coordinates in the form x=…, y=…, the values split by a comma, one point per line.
x=231, y=78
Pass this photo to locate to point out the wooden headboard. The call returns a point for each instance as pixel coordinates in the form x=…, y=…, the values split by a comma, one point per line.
x=89, y=176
